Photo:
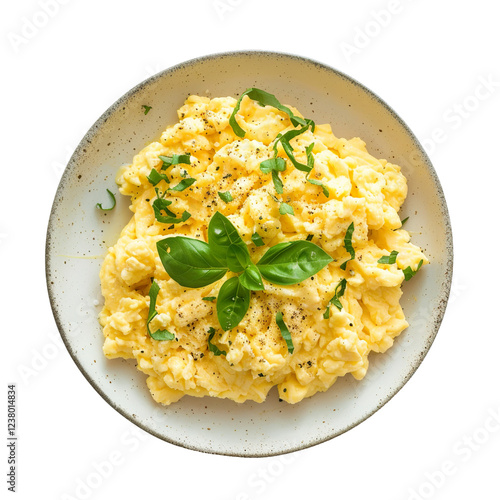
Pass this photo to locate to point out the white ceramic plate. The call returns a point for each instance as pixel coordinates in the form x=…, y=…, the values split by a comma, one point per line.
x=78, y=236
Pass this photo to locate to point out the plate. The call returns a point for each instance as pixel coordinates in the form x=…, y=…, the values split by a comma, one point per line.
x=78, y=236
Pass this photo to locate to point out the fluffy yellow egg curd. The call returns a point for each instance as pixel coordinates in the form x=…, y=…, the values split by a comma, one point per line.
x=363, y=190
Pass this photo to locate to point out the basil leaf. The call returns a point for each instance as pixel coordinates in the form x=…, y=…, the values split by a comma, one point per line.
x=113, y=202
x=285, y=333
x=251, y=278
x=160, y=204
x=225, y=196
x=257, y=240
x=155, y=177
x=175, y=159
x=232, y=303
x=212, y=347
x=159, y=334
x=388, y=259
x=237, y=258
x=326, y=192
x=185, y=183
x=264, y=99
x=291, y=262
x=403, y=222
x=190, y=262
x=146, y=108
x=409, y=273
x=209, y=299
x=348, y=245
x=222, y=234
x=339, y=291
x=285, y=208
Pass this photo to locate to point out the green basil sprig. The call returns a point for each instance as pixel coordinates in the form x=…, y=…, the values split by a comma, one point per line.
x=193, y=263
x=339, y=291
x=264, y=99
x=348, y=245
x=113, y=202
x=159, y=334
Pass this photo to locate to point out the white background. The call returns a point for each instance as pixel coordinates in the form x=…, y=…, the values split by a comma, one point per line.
x=429, y=60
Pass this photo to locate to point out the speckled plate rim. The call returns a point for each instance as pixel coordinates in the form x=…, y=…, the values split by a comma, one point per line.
x=94, y=129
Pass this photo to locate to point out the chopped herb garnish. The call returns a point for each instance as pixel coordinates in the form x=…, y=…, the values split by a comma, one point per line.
x=264, y=99
x=285, y=208
x=388, y=259
x=409, y=273
x=339, y=291
x=326, y=192
x=161, y=205
x=175, y=159
x=146, y=109
x=287, y=147
x=155, y=177
x=113, y=202
x=159, y=334
x=257, y=240
x=184, y=184
x=225, y=196
x=212, y=347
x=309, y=237
x=285, y=333
x=348, y=245
x=403, y=222
x=274, y=166
x=209, y=299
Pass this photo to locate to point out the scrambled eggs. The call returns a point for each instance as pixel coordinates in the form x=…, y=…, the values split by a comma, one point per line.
x=362, y=190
